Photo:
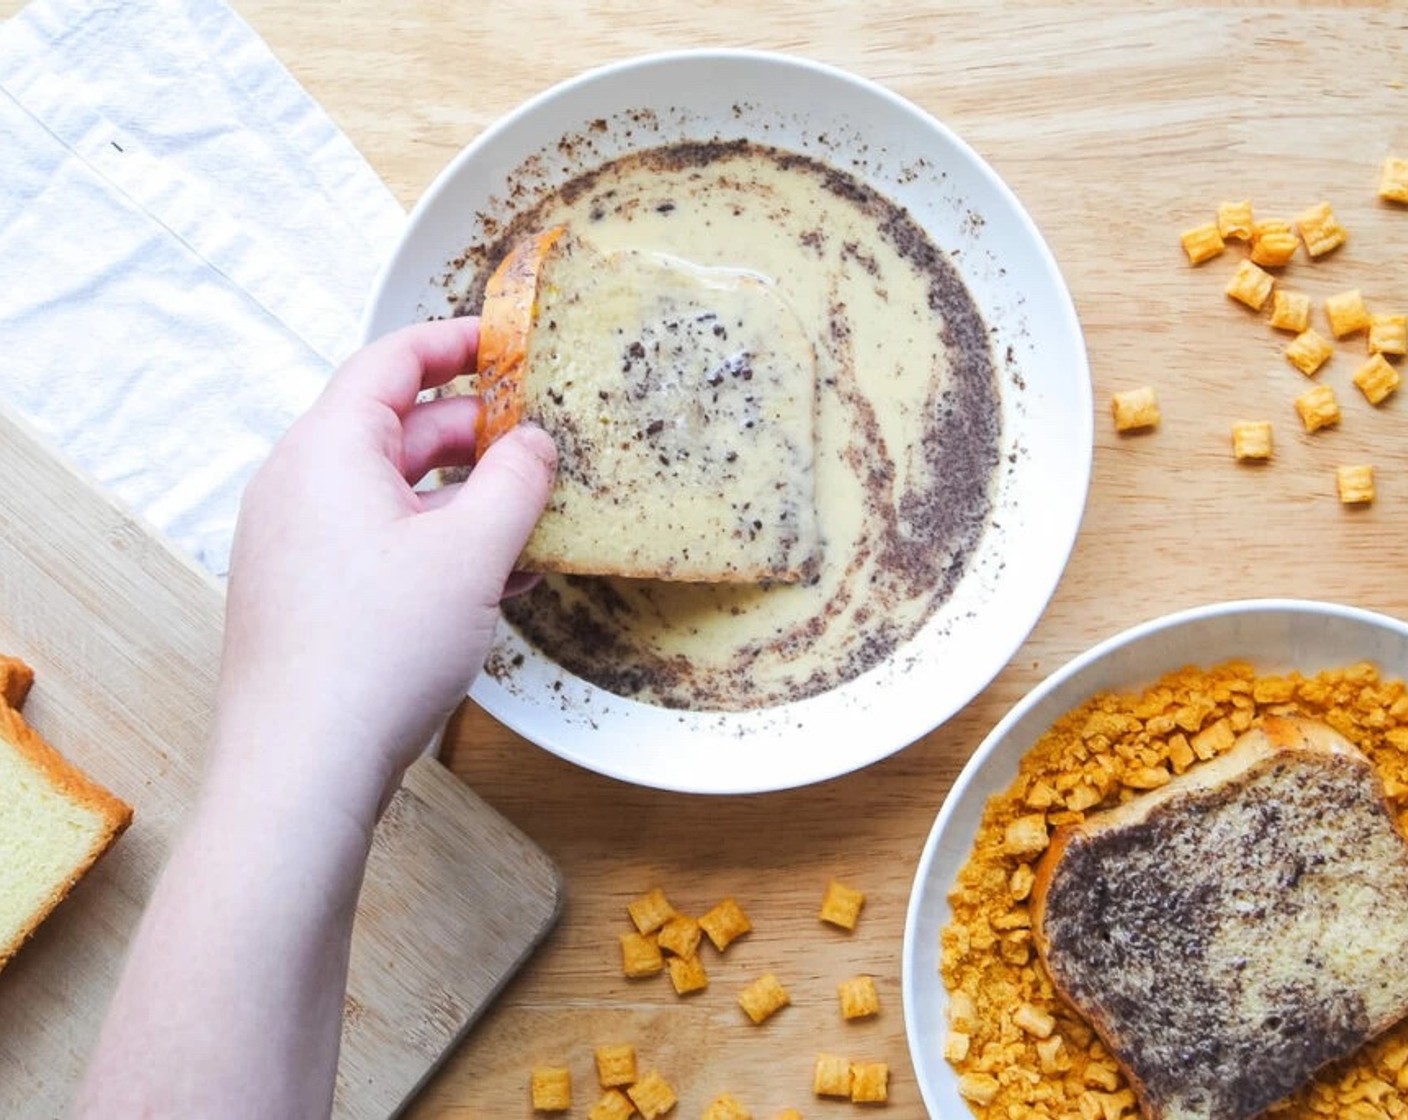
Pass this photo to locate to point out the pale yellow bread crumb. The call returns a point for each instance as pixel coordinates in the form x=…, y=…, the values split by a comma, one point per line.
x=683, y=404
x=55, y=822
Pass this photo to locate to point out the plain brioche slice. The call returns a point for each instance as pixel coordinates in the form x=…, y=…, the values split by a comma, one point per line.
x=683, y=404
x=55, y=823
x=1229, y=934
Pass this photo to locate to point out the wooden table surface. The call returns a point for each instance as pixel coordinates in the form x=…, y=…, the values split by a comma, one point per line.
x=1117, y=129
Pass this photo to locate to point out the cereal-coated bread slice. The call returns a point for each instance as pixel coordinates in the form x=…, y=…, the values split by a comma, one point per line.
x=1234, y=931
x=682, y=400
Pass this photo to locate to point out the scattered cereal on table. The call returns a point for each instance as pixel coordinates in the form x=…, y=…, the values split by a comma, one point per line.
x=1290, y=311
x=1393, y=180
x=1376, y=379
x=1250, y=285
x=613, y=1105
x=1355, y=484
x=650, y=911
x=687, y=975
x=1388, y=333
x=640, y=955
x=1320, y=230
x=726, y=1107
x=652, y=1095
x=725, y=923
x=1274, y=243
x=1203, y=243
x=616, y=1065
x=1318, y=408
x=1309, y=350
x=840, y=906
x=551, y=1089
x=1234, y=220
x=1134, y=409
x=1346, y=312
x=1251, y=440
x=859, y=998
x=763, y=998
x=870, y=1082
x=832, y=1076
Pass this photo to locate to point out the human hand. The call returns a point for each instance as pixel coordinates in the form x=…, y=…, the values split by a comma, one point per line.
x=359, y=609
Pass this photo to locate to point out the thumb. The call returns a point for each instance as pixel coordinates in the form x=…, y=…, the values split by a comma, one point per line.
x=501, y=500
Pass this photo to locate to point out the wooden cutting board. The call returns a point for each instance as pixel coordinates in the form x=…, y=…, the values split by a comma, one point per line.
x=124, y=636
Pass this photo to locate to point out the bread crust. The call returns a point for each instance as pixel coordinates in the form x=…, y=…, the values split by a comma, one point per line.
x=75, y=786
x=1253, y=750
x=505, y=327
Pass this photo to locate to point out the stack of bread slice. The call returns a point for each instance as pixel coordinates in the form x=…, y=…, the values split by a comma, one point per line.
x=55, y=821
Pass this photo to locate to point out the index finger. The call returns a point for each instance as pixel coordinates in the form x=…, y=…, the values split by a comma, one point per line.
x=396, y=367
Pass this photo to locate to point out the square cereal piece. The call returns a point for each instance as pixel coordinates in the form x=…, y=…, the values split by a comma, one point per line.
x=680, y=935
x=1135, y=409
x=859, y=999
x=1346, y=312
x=725, y=923
x=1234, y=220
x=726, y=1107
x=1393, y=180
x=870, y=1082
x=763, y=998
x=788, y=1114
x=1376, y=379
x=1318, y=408
x=840, y=906
x=1251, y=440
x=1388, y=334
x=1274, y=243
x=616, y=1065
x=1309, y=350
x=832, y=1076
x=640, y=956
x=1355, y=484
x=613, y=1105
x=1320, y=229
x=652, y=1095
x=1202, y=243
x=1290, y=311
x=687, y=975
x=552, y=1089
x=1250, y=285
x=650, y=911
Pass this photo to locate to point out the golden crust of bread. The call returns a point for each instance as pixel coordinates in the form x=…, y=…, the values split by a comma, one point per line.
x=78, y=788
x=505, y=326
x=15, y=680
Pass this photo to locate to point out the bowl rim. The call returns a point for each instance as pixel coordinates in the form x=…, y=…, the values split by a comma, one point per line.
x=921, y=1048
x=1064, y=323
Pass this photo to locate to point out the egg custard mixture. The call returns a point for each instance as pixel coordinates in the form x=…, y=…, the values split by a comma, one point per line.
x=907, y=437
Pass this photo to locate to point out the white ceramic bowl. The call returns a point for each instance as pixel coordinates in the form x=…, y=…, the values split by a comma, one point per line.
x=1036, y=342
x=1275, y=635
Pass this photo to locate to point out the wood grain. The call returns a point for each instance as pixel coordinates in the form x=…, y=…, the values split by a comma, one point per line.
x=1117, y=128
x=124, y=636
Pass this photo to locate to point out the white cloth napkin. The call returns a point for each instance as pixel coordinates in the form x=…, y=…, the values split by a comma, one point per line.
x=186, y=243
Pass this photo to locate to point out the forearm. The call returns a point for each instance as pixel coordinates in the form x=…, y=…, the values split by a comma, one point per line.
x=231, y=1000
